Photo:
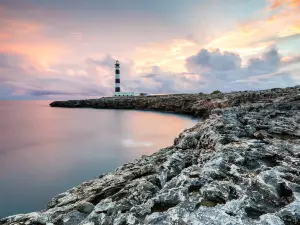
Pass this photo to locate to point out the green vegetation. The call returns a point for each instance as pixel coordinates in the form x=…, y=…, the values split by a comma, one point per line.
x=216, y=92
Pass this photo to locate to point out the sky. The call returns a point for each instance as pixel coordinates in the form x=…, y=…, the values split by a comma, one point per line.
x=66, y=49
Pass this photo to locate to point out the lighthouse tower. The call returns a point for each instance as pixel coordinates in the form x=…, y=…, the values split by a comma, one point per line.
x=117, y=80
x=118, y=92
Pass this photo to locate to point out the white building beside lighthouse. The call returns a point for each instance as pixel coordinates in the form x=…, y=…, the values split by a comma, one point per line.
x=118, y=83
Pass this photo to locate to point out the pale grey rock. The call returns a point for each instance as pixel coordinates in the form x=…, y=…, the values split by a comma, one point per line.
x=269, y=219
x=73, y=218
x=85, y=207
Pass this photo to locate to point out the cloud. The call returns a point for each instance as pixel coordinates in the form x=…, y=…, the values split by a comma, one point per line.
x=169, y=55
x=43, y=55
x=278, y=3
x=269, y=62
x=291, y=60
x=264, y=71
x=94, y=77
x=108, y=61
x=207, y=70
x=159, y=81
x=28, y=37
x=9, y=60
x=19, y=77
x=47, y=93
x=279, y=22
x=218, y=63
x=215, y=60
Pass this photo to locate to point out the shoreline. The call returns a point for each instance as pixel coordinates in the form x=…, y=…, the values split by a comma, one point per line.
x=243, y=139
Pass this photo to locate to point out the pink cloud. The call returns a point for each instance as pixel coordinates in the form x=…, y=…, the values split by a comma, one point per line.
x=28, y=38
x=278, y=3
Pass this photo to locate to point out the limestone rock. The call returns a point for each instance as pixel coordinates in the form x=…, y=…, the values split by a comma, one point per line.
x=85, y=207
x=240, y=165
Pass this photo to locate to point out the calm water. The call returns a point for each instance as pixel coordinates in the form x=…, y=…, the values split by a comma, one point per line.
x=45, y=151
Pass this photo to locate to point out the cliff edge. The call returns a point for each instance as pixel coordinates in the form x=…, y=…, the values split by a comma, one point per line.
x=240, y=166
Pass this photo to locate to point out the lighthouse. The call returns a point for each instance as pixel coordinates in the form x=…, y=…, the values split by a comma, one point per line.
x=118, y=92
x=117, y=76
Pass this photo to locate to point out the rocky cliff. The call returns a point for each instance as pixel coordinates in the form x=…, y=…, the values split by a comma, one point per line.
x=240, y=165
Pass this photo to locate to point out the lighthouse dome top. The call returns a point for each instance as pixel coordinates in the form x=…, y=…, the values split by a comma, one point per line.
x=117, y=62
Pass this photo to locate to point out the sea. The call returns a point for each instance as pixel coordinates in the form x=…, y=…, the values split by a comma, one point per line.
x=45, y=151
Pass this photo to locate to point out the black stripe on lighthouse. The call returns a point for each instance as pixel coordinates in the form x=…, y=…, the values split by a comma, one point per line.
x=117, y=89
x=118, y=81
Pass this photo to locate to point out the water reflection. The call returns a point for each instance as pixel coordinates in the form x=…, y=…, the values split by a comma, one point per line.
x=45, y=151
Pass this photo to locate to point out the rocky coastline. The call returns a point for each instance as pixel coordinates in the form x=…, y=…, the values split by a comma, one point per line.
x=240, y=165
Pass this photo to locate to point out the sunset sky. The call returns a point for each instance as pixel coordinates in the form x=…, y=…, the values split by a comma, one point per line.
x=66, y=49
